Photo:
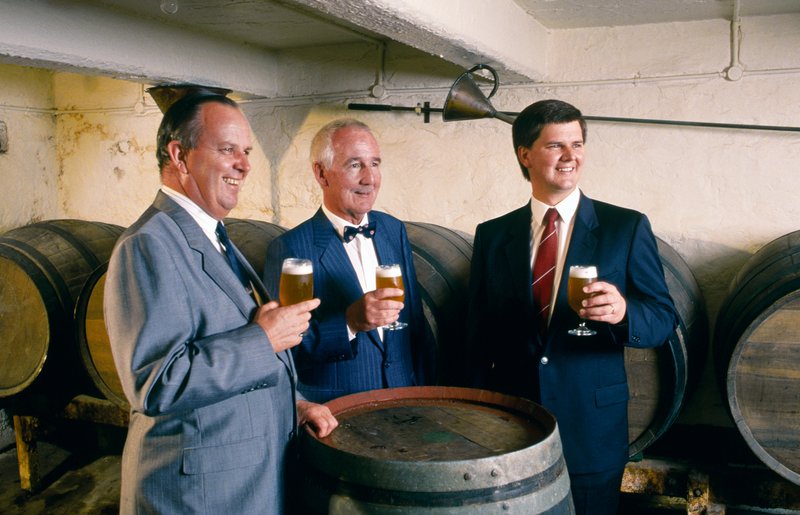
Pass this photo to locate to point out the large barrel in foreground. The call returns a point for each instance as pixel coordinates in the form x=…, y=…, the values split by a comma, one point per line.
x=757, y=354
x=441, y=450
x=660, y=380
x=44, y=266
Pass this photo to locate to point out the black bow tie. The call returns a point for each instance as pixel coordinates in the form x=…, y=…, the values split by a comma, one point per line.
x=367, y=231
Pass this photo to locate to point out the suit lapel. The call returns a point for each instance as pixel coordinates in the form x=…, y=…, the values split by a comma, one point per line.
x=333, y=258
x=386, y=251
x=212, y=262
x=581, y=252
x=518, y=255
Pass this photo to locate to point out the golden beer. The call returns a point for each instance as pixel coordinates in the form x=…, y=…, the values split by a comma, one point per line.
x=389, y=276
x=580, y=276
x=297, y=281
x=577, y=280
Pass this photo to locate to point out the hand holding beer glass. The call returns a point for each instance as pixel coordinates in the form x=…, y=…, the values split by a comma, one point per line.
x=297, y=282
x=580, y=276
x=390, y=276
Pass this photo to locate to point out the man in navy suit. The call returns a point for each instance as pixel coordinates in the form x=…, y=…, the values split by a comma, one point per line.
x=518, y=350
x=345, y=349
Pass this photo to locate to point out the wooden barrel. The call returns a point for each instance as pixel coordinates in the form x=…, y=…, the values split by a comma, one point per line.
x=426, y=450
x=757, y=354
x=44, y=266
x=93, y=341
x=660, y=380
x=250, y=236
x=442, y=260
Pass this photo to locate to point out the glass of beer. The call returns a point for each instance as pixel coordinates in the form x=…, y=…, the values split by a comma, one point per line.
x=297, y=282
x=580, y=276
x=390, y=276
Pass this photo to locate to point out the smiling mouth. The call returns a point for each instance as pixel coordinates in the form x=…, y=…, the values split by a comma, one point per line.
x=231, y=181
x=566, y=169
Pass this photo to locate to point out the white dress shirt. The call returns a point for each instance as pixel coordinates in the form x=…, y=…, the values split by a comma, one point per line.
x=361, y=252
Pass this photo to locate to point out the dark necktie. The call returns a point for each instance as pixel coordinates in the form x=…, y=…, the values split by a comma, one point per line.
x=236, y=266
x=367, y=231
x=544, y=268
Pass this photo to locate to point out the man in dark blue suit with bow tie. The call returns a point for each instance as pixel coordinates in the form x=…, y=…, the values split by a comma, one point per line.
x=346, y=350
x=518, y=338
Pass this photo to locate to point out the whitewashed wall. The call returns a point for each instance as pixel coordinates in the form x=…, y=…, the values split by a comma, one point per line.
x=715, y=195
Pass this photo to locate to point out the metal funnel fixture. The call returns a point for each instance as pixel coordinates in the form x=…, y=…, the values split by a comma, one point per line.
x=466, y=101
x=167, y=94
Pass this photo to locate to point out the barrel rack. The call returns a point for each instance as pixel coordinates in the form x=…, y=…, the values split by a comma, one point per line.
x=27, y=429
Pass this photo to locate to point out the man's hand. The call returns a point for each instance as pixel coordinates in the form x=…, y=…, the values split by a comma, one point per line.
x=374, y=309
x=283, y=325
x=317, y=416
x=606, y=304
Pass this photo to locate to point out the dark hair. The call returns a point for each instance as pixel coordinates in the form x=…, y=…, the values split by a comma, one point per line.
x=529, y=124
x=181, y=122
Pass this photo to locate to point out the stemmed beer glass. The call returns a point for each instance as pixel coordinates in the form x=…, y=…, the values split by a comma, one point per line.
x=297, y=282
x=391, y=276
x=580, y=276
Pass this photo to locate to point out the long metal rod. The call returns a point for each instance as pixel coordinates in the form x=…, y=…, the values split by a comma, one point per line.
x=428, y=110
x=695, y=124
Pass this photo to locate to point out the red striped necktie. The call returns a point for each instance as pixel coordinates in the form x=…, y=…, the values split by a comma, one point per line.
x=544, y=268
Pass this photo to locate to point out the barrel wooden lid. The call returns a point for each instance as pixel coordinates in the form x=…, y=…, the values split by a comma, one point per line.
x=437, y=439
x=434, y=424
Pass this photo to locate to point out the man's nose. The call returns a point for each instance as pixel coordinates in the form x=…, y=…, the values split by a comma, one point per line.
x=243, y=162
x=368, y=174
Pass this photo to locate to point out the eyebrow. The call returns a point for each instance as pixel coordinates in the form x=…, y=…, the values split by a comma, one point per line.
x=356, y=159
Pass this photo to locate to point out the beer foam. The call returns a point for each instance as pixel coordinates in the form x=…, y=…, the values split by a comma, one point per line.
x=388, y=271
x=583, y=272
x=297, y=268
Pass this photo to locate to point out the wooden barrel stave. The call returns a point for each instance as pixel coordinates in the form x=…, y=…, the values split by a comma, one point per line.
x=442, y=262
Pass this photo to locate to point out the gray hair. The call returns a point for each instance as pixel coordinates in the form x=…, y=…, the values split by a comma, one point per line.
x=322, y=144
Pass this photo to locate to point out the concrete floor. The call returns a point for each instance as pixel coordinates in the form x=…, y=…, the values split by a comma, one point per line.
x=79, y=465
x=80, y=470
x=72, y=486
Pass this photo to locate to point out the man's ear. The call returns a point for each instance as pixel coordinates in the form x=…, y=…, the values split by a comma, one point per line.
x=177, y=155
x=522, y=155
x=320, y=174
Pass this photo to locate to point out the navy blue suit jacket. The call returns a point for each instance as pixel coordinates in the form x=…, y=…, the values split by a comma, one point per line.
x=328, y=364
x=581, y=380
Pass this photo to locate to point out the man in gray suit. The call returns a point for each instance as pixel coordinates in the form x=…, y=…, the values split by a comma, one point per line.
x=204, y=365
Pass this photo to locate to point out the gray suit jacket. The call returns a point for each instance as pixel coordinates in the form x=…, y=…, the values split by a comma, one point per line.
x=212, y=405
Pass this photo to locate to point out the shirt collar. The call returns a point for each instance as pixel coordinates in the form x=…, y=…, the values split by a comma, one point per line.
x=206, y=222
x=566, y=208
x=340, y=223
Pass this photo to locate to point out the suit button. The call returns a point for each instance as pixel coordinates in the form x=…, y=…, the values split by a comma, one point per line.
x=385, y=365
x=544, y=360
